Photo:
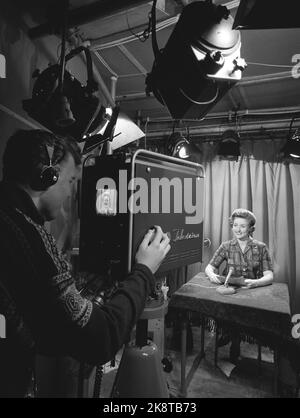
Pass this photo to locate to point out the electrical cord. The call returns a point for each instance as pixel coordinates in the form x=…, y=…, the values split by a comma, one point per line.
x=142, y=37
x=160, y=26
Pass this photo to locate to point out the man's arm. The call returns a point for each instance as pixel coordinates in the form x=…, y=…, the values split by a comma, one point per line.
x=109, y=325
x=62, y=321
x=97, y=332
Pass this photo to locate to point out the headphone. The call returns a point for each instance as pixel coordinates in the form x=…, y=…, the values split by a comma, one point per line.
x=48, y=175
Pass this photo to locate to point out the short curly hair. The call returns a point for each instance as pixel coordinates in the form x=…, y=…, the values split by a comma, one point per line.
x=26, y=153
x=246, y=214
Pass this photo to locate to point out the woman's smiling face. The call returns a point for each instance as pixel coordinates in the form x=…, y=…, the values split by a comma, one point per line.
x=241, y=228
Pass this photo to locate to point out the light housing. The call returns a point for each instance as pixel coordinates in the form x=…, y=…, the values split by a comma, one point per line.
x=291, y=148
x=180, y=147
x=200, y=62
x=229, y=145
x=75, y=109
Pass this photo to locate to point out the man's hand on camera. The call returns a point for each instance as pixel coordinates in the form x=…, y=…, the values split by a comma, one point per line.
x=153, y=249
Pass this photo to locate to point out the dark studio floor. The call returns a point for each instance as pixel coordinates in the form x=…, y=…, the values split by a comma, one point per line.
x=246, y=379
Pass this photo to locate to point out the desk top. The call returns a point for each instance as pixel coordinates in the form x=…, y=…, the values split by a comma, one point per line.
x=263, y=308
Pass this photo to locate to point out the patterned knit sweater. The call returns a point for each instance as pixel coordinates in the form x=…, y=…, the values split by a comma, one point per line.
x=43, y=308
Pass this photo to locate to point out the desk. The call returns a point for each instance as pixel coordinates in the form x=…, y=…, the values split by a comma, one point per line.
x=262, y=312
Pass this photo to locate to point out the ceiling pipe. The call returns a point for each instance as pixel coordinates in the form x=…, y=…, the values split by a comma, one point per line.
x=86, y=14
x=218, y=129
x=288, y=111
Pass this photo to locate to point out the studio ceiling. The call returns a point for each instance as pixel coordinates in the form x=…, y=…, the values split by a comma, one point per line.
x=268, y=87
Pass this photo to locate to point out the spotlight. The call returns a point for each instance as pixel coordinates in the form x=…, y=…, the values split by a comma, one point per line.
x=292, y=146
x=180, y=147
x=75, y=110
x=200, y=62
x=229, y=145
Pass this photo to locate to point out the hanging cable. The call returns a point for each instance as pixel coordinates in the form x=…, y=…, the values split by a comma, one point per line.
x=160, y=26
x=142, y=37
x=63, y=47
x=155, y=47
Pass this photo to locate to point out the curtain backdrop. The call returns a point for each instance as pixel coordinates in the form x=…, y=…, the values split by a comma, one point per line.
x=261, y=182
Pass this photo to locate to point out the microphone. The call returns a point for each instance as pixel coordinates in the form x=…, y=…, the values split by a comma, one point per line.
x=231, y=270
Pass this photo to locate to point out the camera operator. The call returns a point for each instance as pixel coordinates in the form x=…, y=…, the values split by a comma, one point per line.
x=44, y=311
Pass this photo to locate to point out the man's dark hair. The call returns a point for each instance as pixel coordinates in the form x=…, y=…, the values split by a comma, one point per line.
x=26, y=153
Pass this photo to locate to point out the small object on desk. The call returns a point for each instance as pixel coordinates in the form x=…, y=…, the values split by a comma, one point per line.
x=235, y=281
x=225, y=289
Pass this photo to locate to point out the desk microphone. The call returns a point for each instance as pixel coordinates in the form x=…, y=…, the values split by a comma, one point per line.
x=231, y=270
x=225, y=289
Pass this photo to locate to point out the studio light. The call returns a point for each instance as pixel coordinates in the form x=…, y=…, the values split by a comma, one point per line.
x=76, y=110
x=200, y=62
x=229, y=145
x=292, y=147
x=126, y=131
x=180, y=147
x=118, y=128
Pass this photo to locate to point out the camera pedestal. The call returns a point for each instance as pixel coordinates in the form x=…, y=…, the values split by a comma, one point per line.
x=140, y=373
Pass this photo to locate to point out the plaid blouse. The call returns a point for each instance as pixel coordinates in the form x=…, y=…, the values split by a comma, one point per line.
x=251, y=264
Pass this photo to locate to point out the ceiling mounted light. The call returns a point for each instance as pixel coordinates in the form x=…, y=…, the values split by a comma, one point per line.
x=229, y=145
x=180, y=147
x=59, y=101
x=175, y=142
x=200, y=62
x=292, y=147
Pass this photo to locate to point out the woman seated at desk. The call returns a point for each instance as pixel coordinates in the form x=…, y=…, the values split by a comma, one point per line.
x=249, y=260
